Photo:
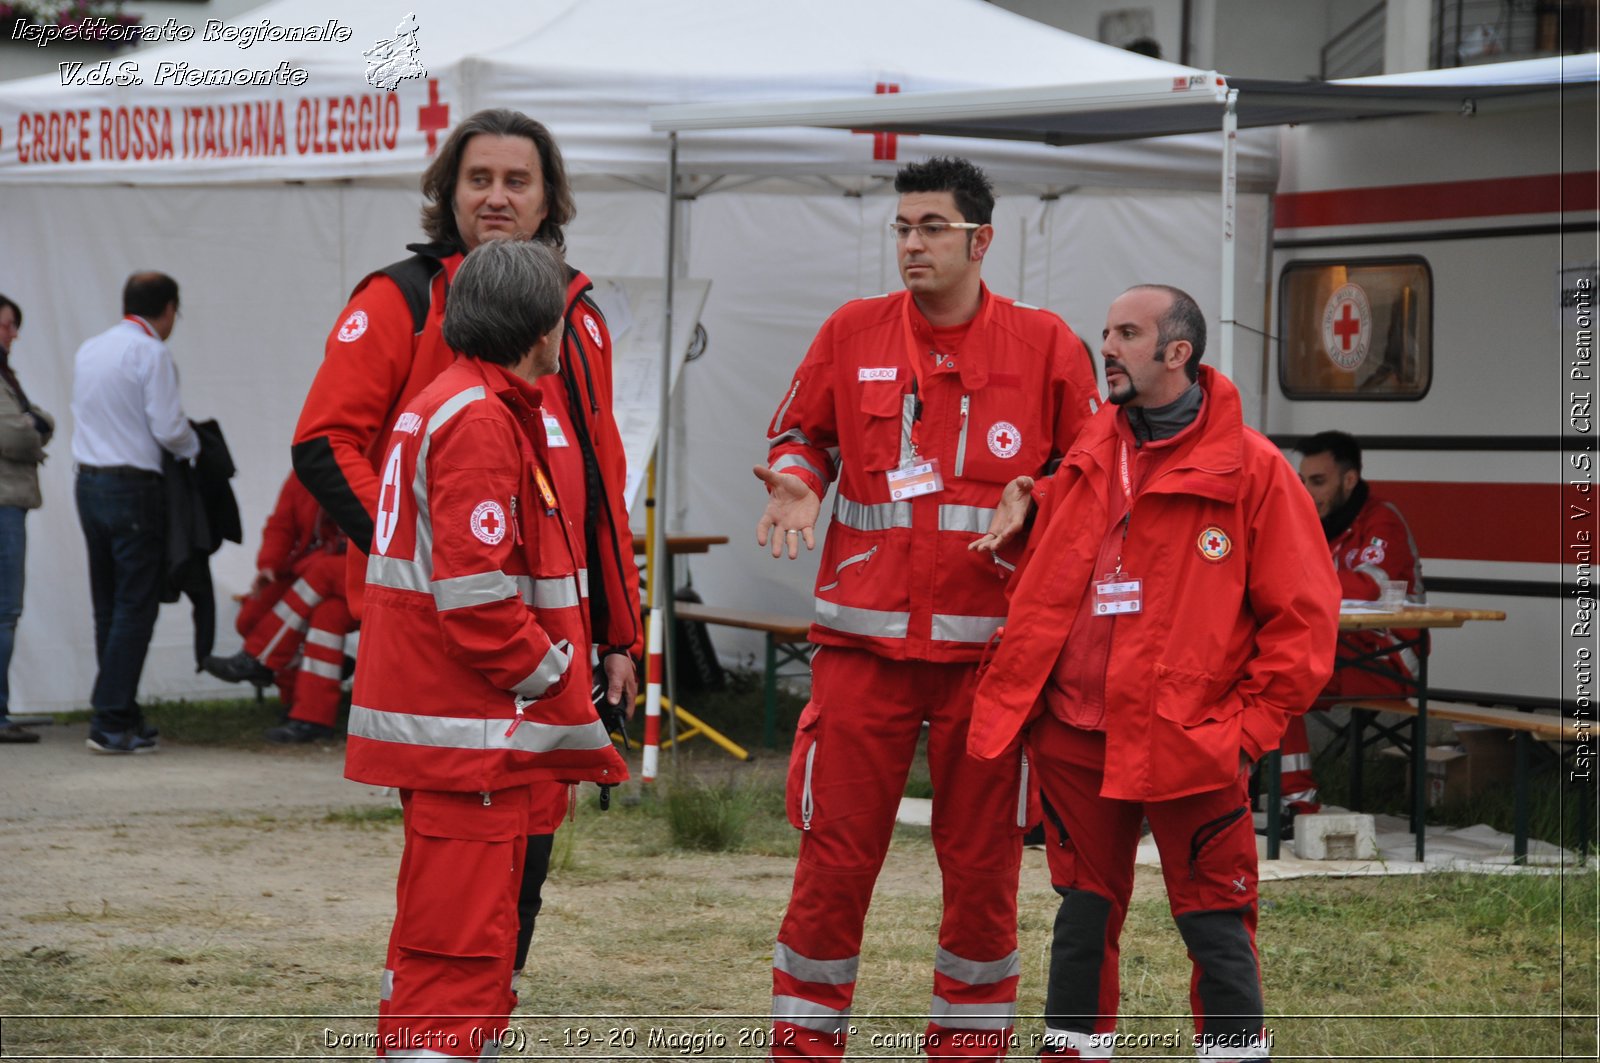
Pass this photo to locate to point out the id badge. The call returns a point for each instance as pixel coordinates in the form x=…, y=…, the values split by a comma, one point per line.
x=553, y=435
x=909, y=481
x=1118, y=593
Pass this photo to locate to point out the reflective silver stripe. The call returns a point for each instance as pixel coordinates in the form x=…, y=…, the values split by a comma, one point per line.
x=1087, y=1045
x=792, y=461
x=996, y=1016
x=464, y=592
x=1299, y=795
x=793, y=435
x=871, y=517
x=419, y=483
x=329, y=639
x=352, y=642
x=386, y=985
x=397, y=574
x=448, y=732
x=583, y=582
x=972, y=519
x=323, y=669
x=950, y=628
x=798, y=1012
x=1295, y=762
x=306, y=593
x=854, y=559
x=874, y=623
x=560, y=592
x=828, y=972
x=908, y=418
x=549, y=672
x=286, y=612
x=978, y=972
x=454, y=405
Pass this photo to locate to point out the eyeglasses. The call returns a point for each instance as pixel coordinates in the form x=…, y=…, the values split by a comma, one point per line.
x=929, y=230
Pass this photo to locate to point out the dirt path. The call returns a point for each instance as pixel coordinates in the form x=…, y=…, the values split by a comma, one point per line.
x=188, y=835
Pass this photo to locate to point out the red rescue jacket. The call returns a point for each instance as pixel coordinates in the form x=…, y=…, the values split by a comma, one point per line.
x=1376, y=546
x=296, y=529
x=474, y=665
x=376, y=361
x=896, y=577
x=1240, y=605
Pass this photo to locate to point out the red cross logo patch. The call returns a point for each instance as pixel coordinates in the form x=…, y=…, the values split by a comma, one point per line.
x=594, y=330
x=1214, y=544
x=489, y=522
x=1347, y=327
x=1004, y=439
x=354, y=326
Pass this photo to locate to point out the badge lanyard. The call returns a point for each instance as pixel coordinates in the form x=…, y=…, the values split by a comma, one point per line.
x=1117, y=591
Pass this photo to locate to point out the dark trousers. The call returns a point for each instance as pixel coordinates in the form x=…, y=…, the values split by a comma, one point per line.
x=123, y=515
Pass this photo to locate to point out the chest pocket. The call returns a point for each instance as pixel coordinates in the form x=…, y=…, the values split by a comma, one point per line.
x=999, y=437
x=882, y=404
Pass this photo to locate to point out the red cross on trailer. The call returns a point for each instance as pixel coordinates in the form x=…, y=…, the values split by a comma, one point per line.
x=1348, y=326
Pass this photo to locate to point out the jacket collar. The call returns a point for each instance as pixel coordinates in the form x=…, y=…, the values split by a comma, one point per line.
x=1205, y=460
x=972, y=360
x=499, y=381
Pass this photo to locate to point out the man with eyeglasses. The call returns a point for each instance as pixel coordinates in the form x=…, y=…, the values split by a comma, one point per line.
x=922, y=405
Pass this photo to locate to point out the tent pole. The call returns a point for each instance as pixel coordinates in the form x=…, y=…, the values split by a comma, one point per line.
x=659, y=593
x=1230, y=183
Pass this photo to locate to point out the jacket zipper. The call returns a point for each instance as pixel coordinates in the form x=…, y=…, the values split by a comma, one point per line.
x=516, y=522
x=806, y=807
x=778, y=418
x=961, y=443
x=857, y=559
x=1022, y=794
x=516, y=721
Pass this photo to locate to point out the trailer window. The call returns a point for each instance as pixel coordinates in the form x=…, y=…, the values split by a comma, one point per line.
x=1356, y=329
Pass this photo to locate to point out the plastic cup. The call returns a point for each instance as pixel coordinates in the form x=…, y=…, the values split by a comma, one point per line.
x=1392, y=595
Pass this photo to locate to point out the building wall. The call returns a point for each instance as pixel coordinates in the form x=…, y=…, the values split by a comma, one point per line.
x=1242, y=38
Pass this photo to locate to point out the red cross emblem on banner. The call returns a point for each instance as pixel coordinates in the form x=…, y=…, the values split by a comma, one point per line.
x=433, y=116
x=883, y=144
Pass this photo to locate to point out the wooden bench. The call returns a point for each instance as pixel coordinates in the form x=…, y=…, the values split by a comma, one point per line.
x=1526, y=725
x=788, y=642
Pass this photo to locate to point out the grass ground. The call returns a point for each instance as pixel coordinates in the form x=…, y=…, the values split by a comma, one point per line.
x=659, y=935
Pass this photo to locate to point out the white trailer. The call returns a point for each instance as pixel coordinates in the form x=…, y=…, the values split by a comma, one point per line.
x=1433, y=284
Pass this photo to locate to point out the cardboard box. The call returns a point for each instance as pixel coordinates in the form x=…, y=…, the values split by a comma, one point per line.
x=1480, y=757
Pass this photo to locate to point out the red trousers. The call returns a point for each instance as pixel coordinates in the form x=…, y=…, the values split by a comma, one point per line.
x=297, y=627
x=447, y=986
x=853, y=748
x=1208, y=861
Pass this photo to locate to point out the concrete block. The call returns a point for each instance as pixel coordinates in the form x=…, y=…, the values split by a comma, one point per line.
x=1335, y=836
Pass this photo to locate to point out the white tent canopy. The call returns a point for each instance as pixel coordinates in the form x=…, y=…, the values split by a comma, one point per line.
x=267, y=243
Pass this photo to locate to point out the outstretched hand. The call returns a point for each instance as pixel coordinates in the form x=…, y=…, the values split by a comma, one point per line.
x=1010, y=516
x=791, y=513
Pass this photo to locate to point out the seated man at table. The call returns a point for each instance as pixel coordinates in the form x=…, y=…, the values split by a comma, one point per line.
x=1371, y=545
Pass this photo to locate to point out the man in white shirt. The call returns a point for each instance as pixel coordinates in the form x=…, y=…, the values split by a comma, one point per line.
x=126, y=411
